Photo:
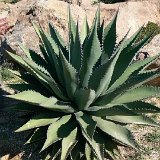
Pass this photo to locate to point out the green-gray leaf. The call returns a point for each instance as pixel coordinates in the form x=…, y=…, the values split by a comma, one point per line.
x=38, y=121
x=38, y=135
x=87, y=124
x=32, y=97
x=53, y=134
x=132, y=69
x=131, y=95
x=142, y=107
x=109, y=38
x=136, y=94
x=91, y=54
x=84, y=97
x=85, y=30
x=70, y=76
x=76, y=52
x=116, y=131
x=124, y=115
x=68, y=144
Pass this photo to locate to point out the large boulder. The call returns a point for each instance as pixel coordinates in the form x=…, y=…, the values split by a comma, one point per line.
x=153, y=48
x=131, y=15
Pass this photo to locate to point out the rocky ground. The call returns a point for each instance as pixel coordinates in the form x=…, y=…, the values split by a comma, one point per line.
x=17, y=28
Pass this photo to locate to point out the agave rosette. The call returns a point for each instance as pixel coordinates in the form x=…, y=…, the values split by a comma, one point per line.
x=81, y=95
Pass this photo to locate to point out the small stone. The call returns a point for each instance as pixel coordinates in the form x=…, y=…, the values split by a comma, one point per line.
x=6, y=157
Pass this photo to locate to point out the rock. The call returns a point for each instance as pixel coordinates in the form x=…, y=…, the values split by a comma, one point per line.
x=19, y=10
x=153, y=48
x=24, y=35
x=4, y=9
x=86, y=2
x=42, y=12
x=17, y=157
x=3, y=6
x=6, y=157
x=131, y=14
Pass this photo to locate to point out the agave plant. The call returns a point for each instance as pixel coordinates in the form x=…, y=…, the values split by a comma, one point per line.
x=79, y=97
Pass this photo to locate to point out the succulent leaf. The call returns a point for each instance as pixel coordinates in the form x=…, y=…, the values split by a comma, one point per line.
x=142, y=107
x=97, y=17
x=87, y=124
x=38, y=135
x=51, y=82
x=95, y=147
x=68, y=144
x=24, y=107
x=38, y=59
x=70, y=76
x=88, y=152
x=20, y=61
x=101, y=77
x=53, y=53
x=36, y=98
x=84, y=97
x=116, y=131
x=38, y=121
x=135, y=81
x=109, y=38
x=23, y=87
x=131, y=95
x=112, y=150
x=128, y=52
x=26, y=51
x=85, y=30
x=54, y=132
x=72, y=32
x=128, y=116
x=56, y=36
x=134, y=68
x=91, y=54
x=125, y=113
x=137, y=94
x=76, y=52
x=142, y=78
x=100, y=33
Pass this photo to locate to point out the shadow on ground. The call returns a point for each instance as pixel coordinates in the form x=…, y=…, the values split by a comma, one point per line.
x=11, y=143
